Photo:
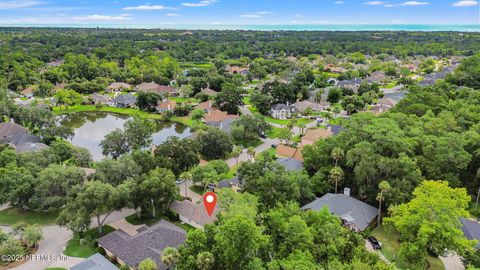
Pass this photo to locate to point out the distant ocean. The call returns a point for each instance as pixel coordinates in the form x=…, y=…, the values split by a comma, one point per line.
x=316, y=27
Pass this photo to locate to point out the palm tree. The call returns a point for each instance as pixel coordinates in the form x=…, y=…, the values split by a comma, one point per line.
x=384, y=187
x=170, y=257
x=337, y=154
x=336, y=176
x=205, y=260
x=236, y=152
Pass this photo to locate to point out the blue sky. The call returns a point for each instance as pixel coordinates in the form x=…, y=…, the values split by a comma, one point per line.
x=213, y=12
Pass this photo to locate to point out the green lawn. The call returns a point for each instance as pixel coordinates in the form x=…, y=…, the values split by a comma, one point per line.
x=391, y=245
x=198, y=189
x=184, y=100
x=85, y=247
x=246, y=101
x=194, y=65
x=12, y=216
x=148, y=220
x=391, y=84
x=274, y=132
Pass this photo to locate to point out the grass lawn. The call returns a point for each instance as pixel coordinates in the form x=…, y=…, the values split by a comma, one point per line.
x=12, y=216
x=197, y=189
x=391, y=246
x=246, y=101
x=86, y=247
x=274, y=132
x=184, y=100
x=194, y=65
x=148, y=220
x=391, y=84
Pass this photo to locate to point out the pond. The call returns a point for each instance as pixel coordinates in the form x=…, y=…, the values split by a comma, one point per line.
x=91, y=127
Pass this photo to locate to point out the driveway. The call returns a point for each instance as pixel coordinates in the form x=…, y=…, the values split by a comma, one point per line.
x=370, y=248
x=452, y=262
x=54, y=241
x=245, y=111
x=267, y=144
x=186, y=192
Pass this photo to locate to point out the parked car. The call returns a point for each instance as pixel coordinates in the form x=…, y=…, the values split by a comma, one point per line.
x=274, y=146
x=179, y=181
x=263, y=136
x=211, y=186
x=374, y=242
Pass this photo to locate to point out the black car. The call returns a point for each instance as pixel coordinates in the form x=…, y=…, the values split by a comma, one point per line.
x=374, y=242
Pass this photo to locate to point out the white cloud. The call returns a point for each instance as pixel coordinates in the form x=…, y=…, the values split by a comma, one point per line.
x=408, y=3
x=467, y=3
x=97, y=17
x=257, y=14
x=322, y=22
x=374, y=3
x=147, y=7
x=339, y=3
x=203, y=3
x=18, y=4
x=173, y=15
x=298, y=16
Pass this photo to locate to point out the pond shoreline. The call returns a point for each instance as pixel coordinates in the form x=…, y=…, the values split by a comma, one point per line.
x=127, y=111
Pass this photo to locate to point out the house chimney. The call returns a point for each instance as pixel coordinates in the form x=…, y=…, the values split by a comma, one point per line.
x=346, y=192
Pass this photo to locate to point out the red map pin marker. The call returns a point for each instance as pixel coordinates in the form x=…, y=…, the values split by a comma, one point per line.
x=209, y=201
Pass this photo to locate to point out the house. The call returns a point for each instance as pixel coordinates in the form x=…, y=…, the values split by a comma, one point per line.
x=282, y=111
x=225, y=125
x=471, y=230
x=166, y=106
x=193, y=214
x=234, y=183
x=209, y=92
x=289, y=152
x=377, y=77
x=124, y=101
x=95, y=262
x=335, y=129
x=386, y=102
x=118, y=87
x=314, y=135
x=332, y=68
x=237, y=70
x=156, y=88
x=377, y=109
x=216, y=117
x=149, y=243
x=19, y=138
x=98, y=99
x=302, y=106
x=206, y=106
x=352, y=84
x=27, y=92
x=355, y=215
x=290, y=164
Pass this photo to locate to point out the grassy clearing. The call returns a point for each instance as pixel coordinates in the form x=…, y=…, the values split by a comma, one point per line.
x=274, y=132
x=85, y=246
x=391, y=245
x=12, y=216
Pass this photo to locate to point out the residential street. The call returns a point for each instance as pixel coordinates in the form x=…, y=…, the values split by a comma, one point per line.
x=55, y=239
x=267, y=144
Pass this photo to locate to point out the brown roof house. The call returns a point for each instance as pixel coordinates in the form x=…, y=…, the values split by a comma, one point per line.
x=193, y=214
x=28, y=92
x=168, y=105
x=206, y=106
x=156, y=88
x=314, y=135
x=118, y=87
x=209, y=92
x=220, y=119
x=289, y=152
x=149, y=243
x=302, y=106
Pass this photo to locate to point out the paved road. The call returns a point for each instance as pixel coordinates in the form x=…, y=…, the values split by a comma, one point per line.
x=245, y=111
x=56, y=238
x=267, y=144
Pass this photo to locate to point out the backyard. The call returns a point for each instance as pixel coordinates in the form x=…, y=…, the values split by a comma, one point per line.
x=13, y=216
x=390, y=246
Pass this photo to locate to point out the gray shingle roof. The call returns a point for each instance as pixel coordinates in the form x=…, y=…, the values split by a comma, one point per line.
x=471, y=230
x=95, y=262
x=30, y=147
x=193, y=212
x=149, y=243
x=125, y=99
x=345, y=207
x=227, y=183
x=290, y=164
x=8, y=129
x=278, y=107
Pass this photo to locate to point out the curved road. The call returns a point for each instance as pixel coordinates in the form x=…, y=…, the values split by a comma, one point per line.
x=54, y=241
